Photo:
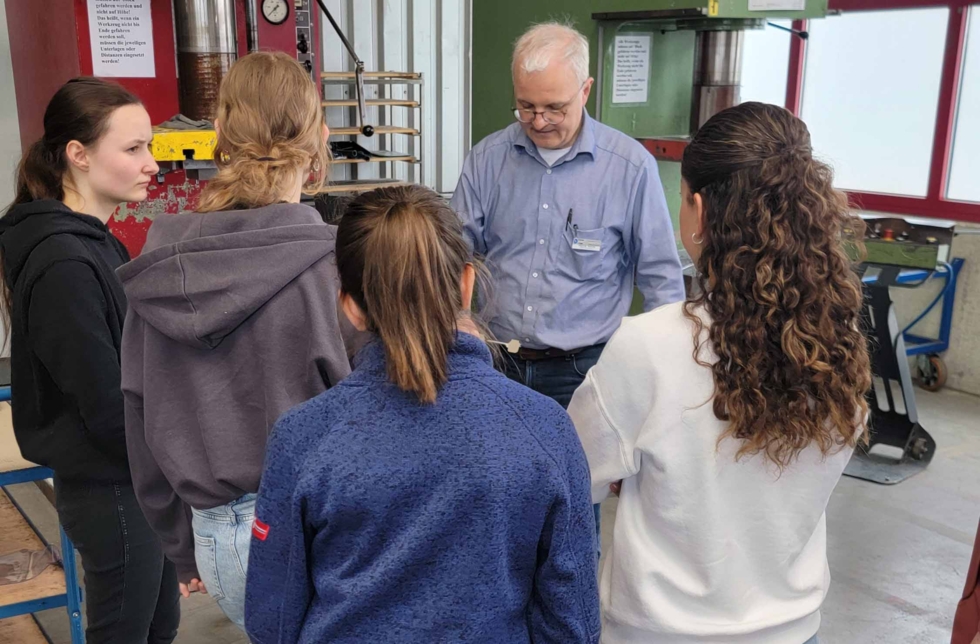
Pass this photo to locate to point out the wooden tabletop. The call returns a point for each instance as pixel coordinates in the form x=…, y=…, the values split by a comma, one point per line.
x=16, y=534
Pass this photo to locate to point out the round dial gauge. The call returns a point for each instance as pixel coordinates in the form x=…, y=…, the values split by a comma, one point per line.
x=275, y=11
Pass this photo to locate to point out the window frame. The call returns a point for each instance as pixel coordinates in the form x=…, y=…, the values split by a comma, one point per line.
x=935, y=204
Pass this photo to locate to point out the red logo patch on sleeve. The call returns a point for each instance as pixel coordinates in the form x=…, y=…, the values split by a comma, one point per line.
x=260, y=530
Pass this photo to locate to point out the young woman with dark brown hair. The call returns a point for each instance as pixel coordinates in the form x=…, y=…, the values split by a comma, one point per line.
x=427, y=498
x=66, y=308
x=726, y=421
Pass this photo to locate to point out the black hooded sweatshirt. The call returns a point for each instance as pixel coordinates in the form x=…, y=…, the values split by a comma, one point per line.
x=67, y=315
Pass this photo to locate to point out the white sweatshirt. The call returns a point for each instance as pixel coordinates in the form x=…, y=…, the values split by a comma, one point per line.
x=704, y=548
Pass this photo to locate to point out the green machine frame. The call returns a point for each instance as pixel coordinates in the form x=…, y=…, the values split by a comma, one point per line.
x=674, y=26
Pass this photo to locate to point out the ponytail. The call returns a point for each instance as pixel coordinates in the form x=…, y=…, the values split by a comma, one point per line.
x=270, y=126
x=252, y=178
x=401, y=256
x=39, y=174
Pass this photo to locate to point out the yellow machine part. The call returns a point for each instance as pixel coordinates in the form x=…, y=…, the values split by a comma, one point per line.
x=181, y=145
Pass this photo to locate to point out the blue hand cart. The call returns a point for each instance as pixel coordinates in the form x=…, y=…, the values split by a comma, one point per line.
x=930, y=369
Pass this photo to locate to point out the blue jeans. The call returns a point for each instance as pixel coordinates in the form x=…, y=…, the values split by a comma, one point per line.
x=222, y=536
x=557, y=378
x=812, y=640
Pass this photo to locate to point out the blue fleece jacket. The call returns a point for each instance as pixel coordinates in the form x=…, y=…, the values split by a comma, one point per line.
x=381, y=519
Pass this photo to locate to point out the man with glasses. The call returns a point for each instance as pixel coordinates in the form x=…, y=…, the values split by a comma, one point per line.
x=570, y=215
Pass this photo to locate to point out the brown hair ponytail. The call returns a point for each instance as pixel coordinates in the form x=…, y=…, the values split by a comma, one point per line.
x=401, y=255
x=39, y=175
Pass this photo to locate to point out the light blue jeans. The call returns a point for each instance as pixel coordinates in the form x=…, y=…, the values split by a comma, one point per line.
x=222, y=536
x=812, y=640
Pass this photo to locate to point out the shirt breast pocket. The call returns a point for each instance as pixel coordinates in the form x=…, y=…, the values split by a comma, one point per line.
x=582, y=253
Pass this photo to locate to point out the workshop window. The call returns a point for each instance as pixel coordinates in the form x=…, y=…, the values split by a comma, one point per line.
x=870, y=96
x=964, y=169
x=765, y=64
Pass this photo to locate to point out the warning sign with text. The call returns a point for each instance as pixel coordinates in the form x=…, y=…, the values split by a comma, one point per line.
x=631, y=69
x=121, y=32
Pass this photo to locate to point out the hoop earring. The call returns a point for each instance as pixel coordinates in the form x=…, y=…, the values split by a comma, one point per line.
x=224, y=157
x=697, y=242
x=316, y=164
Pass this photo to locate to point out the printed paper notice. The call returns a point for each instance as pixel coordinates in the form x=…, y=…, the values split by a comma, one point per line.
x=121, y=32
x=777, y=5
x=631, y=69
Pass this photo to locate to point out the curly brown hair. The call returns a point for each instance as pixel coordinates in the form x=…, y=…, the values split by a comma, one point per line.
x=783, y=300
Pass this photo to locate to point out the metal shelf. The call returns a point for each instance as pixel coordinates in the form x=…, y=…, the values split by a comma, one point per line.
x=381, y=129
x=386, y=102
x=350, y=75
x=404, y=159
x=371, y=102
x=357, y=186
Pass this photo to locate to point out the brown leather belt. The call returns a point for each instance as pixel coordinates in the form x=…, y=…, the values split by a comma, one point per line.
x=544, y=354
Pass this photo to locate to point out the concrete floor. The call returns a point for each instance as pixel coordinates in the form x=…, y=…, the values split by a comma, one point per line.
x=898, y=554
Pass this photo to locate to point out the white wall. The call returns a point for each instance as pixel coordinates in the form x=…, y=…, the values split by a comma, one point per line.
x=427, y=36
x=9, y=133
x=9, y=125
x=963, y=358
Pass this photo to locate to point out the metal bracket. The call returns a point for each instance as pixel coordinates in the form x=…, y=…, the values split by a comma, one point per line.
x=888, y=425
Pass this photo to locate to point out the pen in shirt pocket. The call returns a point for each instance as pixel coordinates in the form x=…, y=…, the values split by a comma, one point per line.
x=569, y=224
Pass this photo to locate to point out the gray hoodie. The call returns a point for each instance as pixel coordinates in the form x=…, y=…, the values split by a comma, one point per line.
x=233, y=319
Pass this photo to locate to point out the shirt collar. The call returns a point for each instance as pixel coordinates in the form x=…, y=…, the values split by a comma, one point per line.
x=584, y=143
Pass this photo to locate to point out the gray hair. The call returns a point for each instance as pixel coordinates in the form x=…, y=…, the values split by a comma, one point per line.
x=549, y=41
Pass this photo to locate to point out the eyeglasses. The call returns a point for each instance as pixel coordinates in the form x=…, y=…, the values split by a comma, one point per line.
x=551, y=117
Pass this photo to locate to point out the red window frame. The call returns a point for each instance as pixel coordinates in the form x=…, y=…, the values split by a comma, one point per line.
x=934, y=204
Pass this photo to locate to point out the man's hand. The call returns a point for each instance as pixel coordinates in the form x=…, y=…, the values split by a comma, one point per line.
x=615, y=487
x=196, y=586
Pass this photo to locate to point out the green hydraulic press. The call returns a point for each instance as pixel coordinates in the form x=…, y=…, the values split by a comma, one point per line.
x=662, y=67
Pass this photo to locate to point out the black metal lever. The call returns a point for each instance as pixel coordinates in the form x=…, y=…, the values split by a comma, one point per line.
x=802, y=34
x=366, y=130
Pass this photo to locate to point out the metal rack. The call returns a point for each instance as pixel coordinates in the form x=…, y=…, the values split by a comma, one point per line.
x=56, y=586
x=389, y=135
x=893, y=246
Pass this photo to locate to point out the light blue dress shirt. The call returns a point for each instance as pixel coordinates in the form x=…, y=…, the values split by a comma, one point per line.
x=560, y=284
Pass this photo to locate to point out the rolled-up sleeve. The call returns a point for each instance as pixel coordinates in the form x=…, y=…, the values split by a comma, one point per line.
x=653, y=247
x=467, y=202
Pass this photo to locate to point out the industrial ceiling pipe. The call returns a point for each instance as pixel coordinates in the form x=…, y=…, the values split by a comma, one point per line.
x=207, y=45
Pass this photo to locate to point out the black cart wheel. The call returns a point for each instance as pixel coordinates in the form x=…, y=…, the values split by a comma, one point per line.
x=919, y=449
x=931, y=372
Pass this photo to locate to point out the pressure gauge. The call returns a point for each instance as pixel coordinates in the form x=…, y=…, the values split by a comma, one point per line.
x=275, y=11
